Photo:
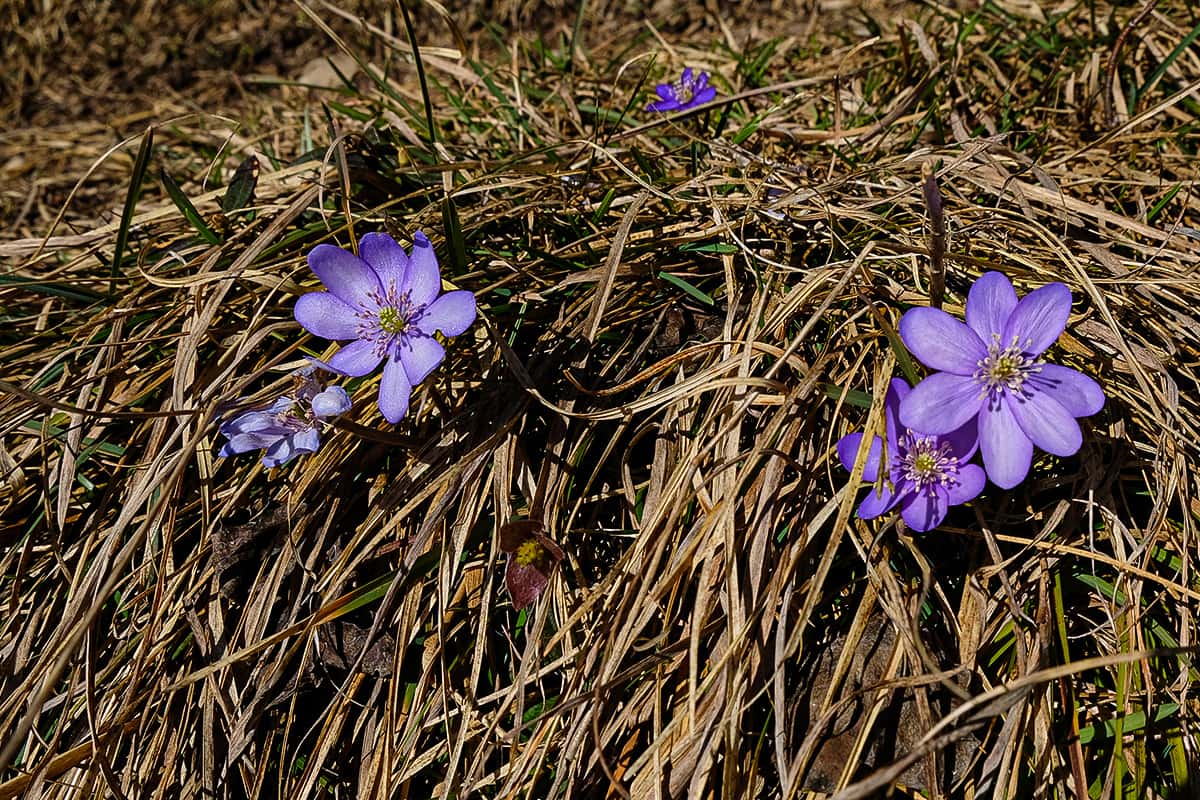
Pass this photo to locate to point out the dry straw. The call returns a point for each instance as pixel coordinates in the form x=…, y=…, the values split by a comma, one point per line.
x=680, y=316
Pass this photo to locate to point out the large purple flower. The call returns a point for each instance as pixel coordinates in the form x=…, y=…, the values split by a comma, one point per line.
x=925, y=473
x=386, y=302
x=290, y=426
x=689, y=91
x=991, y=368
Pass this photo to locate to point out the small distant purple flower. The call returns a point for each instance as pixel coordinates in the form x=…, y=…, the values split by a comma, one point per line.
x=290, y=426
x=925, y=473
x=991, y=369
x=689, y=91
x=387, y=302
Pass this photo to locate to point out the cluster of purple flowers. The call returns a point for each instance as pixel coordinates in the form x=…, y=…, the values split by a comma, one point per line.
x=389, y=305
x=288, y=427
x=992, y=390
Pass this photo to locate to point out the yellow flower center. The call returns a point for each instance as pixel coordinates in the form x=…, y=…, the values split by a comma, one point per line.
x=924, y=464
x=1005, y=368
x=530, y=552
x=391, y=321
x=925, y=461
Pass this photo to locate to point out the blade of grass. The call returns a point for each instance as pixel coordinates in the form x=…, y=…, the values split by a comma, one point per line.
x=852, y=397
x=186, y=208
x=75, y=293
x=140, y=164
x=1162, y=68
x=1126, y=723
x=680, y=283
x=241, y=189
x=450, y=221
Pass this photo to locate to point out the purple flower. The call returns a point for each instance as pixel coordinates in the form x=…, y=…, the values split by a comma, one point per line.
x=689, y=91
x=991, y=370
x=532, y=557
x=926, y=473
x=386, y=302
x=288, y=427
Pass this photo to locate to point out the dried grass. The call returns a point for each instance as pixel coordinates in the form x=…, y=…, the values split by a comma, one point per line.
x=182, y=625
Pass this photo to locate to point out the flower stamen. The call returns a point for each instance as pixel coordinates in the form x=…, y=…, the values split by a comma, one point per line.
x=530, y=552
x=1005, y=369
x=926, y=462
x=391, y=321
x=386, y=323
x=685, y=90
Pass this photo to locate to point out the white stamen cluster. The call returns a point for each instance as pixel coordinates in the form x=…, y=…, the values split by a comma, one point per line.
x=385, y=324
x=293, y=418
x=685, y=90
x=1005, y=369
x=926, y=462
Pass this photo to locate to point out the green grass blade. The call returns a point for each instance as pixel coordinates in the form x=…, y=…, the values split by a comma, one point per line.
x=240, y=192
x=421, y=78
x=1126, y=723
x=74, y=293
x=680, y=283
x=851, y=397
x=450, y=221
x=1162, y=68
x=186, y=208
x=140, y=165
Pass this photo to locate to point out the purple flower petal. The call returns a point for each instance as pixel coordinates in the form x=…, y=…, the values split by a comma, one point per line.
x=245, y=442
x=664, y=105
x=971, y=480
x=1038, y=319
x=701, y=81
x=280, y=405
x=1007, y=451
x=1046, y=423
x=666, y=91
x=356, y=359
x=345, y=274
x=941, y=403
x=260, y=421
x=306, y=441
x=941, y=342
x=924, y=511
x=703, y=96
x=963, y=441
x=878, y=502
x=989, y=304
x=420, y=356
x=847, y=448
x=256, y=437
x=387, y=258
x=525, y=583
x=687, y=75
x=281, y=452
x=452, y=313
x=898, y=389
x=316, y=362
x=323, y=314
x=247, y=422
x=331, y=402
x=422, y=281
x=1076, y=392
x=394, y=391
